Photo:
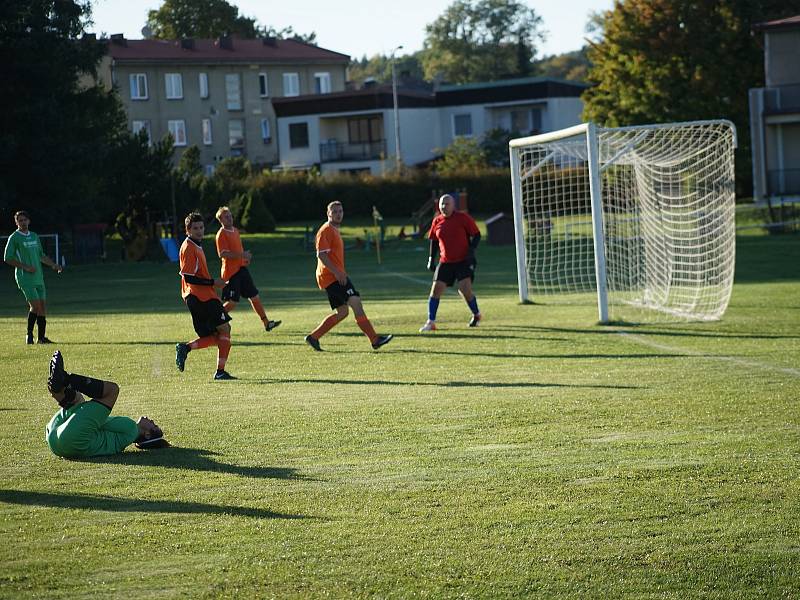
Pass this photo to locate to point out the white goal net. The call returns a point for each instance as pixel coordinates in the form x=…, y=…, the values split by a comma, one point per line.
x=640, y=217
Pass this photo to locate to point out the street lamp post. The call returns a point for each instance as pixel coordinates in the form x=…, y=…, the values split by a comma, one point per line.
x=398, y=158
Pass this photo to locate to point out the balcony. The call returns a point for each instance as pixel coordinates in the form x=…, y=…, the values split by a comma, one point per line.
x=784, y=99
x=337, y=151
x=784, y=182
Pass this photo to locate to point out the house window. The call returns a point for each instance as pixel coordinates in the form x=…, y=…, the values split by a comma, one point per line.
x=178, y=130
x=263, y=85
x=265, y=131
x=138, y=86
x=291, y=84
x=298, y=135
x=236, y=134
x=233, y=91
x=207, y=139
x=138, y=126
x=174, y=85
x=462, y=125
x=365, y=130
x=536, y=120
x=202, y=80
x=520, y=121
x=209, y=169
x=322, y=83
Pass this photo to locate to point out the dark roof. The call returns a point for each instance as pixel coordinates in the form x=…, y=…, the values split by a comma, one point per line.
x=787, y=23
x=238, y=50
x=508, y=90
x=370, y=98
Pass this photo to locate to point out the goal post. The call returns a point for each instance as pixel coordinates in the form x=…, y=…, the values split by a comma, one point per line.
x=641, y=218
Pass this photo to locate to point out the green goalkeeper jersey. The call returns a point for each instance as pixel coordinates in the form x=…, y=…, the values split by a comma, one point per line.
x=26, y=249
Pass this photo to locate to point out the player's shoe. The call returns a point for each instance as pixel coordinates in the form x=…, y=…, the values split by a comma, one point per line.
x=181, y=352
x=44, y=340
x=223, y=375
x=473, y=322
x=29, y=338
x=429, y=326
x=270, y=325
x=313, y=342
x=381, y=340
x=57, y=379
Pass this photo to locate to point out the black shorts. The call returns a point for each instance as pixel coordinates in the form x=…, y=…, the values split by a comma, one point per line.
x=449, y=273
x=206, y=316
x=338, y=293
x=240, y=285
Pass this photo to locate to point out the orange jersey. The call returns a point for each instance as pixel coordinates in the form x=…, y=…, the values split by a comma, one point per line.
x=193, y=262
x=229, y=239
x=329, y=241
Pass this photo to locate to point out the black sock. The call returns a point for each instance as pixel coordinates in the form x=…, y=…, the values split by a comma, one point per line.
x=41, y=322
x=88, y=386
x=31, y=321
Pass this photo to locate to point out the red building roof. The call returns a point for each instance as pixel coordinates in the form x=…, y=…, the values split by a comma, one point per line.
x=220, y=50
x=787, y=23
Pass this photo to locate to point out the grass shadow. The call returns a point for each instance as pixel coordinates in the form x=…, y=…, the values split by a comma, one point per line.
x=700, y=333
x=113, y=504
x=544, y=356
x=466, y=384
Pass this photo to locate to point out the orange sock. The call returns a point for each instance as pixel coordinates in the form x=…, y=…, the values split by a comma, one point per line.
x=224, y=348
x=229, y=306
x=203, y=342
x=366, y=327
x=258, y=307
x=326, y=325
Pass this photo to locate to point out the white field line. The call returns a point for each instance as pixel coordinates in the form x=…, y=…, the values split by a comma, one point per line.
x=751, y=364
x=426, y=282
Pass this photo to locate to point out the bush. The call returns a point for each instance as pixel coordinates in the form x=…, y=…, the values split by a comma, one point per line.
x=256, y=218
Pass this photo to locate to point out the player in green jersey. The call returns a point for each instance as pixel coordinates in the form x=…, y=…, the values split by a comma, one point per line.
x=24, y=252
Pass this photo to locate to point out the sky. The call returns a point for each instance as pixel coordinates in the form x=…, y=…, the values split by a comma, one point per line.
x=359, y=28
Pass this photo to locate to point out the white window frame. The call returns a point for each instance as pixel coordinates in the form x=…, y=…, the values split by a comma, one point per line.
x=208, y=138
x=173, y=86
x=243, y=138
x=471, y=129
x=323, y=81
x=177, y=128
x=291, y=84
x=202, y=83
x=263, y=82
x=209, y=170
x=266, y=132
x=137, y=125
x=136, y=80
x=229, y=78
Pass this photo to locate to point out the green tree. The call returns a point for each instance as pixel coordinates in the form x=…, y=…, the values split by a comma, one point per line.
x=482, y=40
x=573, y=66
x=379, y=67
x=209, y=19
x=679, y=60
x=57, y=129
x=464, y=155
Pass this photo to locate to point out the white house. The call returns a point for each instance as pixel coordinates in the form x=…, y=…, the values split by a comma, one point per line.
x=354, y=131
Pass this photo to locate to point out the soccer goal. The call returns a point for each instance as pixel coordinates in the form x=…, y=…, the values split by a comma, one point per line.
x=642, y=217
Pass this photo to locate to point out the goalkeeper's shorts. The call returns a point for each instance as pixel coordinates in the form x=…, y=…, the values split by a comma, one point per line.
x=449, y=273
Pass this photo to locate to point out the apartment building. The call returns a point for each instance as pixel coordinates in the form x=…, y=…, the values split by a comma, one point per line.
x=217, y=94
x=775, y=115
x=354, y=131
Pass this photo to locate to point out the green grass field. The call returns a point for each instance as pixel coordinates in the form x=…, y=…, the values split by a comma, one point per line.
x=538, y=455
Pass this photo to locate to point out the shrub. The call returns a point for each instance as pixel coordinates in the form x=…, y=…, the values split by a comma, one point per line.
x=256, y=218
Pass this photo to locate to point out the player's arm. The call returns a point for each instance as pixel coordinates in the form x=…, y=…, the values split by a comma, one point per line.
x=224, y=252
x=433, y=251
x=19, y=265
x=195, y=280
x=46, y=260
x=322, y=255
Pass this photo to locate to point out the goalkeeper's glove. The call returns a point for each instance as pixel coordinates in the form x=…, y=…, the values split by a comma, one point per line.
x=431, y=264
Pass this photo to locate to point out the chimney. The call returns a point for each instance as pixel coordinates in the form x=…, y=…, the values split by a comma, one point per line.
x=270, y=41
x=226, y=42
x=187, y=43
x=119, y=39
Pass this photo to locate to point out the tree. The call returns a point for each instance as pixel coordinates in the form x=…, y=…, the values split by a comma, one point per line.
x=57, y=129
x=464, y=155
x=679, y=60
x=210, y=19
x=379, y=67
x=573, y=66
x=482, y=40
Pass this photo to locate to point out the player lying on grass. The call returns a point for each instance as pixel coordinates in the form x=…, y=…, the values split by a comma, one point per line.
x=24, y=253
x=83, y=426
x=210, y=320
x=235, y=274
x=332, y=278
x=456, y=236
